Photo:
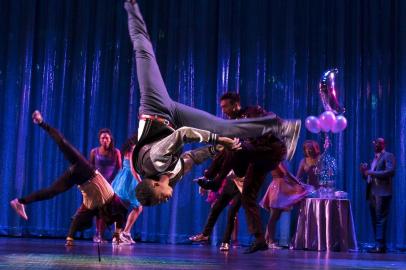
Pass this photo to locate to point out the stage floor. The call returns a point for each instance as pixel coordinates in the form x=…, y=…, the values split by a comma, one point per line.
x=26, y=253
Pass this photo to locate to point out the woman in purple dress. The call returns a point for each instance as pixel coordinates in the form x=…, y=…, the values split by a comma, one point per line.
x=107, y=160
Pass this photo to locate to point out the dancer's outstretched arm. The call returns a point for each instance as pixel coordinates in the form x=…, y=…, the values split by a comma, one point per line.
x=198, y=156
x=162, y=152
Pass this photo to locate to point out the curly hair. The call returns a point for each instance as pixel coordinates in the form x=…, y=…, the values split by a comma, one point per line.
x=145, y=194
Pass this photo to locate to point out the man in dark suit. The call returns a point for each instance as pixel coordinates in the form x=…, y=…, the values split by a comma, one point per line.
x=379, y=190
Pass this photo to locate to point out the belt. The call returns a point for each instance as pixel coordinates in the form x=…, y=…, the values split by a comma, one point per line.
x=157, y=118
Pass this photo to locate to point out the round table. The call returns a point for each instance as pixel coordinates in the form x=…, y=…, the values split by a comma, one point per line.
x=325, y=225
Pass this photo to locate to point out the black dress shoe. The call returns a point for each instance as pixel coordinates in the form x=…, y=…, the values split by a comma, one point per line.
x=205, y=183
x=377, y=250
x=255, y=246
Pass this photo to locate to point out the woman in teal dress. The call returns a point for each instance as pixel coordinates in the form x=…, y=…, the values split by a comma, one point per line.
x=124, y=186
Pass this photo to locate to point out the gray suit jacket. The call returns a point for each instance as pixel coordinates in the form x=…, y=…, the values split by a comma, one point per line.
x=381, y=184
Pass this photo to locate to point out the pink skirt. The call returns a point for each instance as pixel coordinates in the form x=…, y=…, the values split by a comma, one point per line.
x=283, y=194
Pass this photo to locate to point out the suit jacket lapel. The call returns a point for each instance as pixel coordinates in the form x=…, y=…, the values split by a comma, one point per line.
x=378, y=162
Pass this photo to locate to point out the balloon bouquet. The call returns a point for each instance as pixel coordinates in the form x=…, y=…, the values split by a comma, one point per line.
x=331, y=120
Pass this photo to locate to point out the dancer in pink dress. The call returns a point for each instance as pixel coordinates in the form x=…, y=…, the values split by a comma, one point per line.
x=283, y=192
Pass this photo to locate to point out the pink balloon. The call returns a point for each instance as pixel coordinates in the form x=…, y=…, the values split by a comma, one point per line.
x=340, y=125
x=327, y=121
x=312, y=124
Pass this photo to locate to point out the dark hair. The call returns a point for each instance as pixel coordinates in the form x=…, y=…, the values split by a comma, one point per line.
x=128, y=144
x=313, y=144
x=234, y=97
x=111, y=148
x=145, y=194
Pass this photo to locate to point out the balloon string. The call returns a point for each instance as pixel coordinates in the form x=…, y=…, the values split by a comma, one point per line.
x=327, y=142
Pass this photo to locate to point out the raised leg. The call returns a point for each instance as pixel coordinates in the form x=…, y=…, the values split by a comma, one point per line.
x=154, y=95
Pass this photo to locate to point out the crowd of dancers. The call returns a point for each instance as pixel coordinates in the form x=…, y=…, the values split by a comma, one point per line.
x=245, y=148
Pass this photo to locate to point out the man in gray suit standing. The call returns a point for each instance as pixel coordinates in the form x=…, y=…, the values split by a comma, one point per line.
x=379, y=190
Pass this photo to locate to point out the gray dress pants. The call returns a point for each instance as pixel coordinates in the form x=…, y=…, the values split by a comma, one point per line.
x=156, y=101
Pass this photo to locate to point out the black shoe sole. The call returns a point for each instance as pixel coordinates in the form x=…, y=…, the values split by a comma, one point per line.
x=255, y=249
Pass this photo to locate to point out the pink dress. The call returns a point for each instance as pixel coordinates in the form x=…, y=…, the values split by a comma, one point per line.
x=283, y=193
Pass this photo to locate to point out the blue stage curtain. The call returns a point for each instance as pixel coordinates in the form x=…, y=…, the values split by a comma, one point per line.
x=73, y=60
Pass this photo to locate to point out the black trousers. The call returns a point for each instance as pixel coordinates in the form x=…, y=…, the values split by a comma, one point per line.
x=229, y=194
x=80, y=171
x=253, y=182
x=379, y=207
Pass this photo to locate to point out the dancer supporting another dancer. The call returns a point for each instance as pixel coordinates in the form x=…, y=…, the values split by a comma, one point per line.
x=258, y=157
x=283, y=192
x=254, y=161
x=231, y=186
x=160, y=115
